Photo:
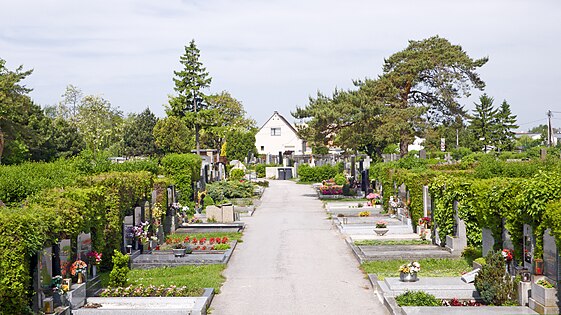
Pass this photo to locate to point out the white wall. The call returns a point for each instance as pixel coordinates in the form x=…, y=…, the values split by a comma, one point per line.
x=287, y=141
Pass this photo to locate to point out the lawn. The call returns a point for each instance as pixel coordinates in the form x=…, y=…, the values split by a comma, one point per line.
x=430, y=267
x=196, y=278
x=391, y=242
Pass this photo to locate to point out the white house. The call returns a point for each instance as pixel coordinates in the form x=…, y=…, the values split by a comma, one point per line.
x=278, y=135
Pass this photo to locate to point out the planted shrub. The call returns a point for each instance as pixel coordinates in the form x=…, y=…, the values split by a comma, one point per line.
x=317, y=173
x=237, y=174
x=493, y=284
x=340, y=179
x=118, y=276
x=208, y=201
x=416, y=298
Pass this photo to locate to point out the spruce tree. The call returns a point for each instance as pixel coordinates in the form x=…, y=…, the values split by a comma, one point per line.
x=506, y=123
x=483, y=123
x=189, y=84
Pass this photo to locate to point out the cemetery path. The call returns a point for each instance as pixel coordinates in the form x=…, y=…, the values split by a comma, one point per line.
x=292, y=261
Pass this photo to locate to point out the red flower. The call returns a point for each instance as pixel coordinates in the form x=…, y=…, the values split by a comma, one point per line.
x=224, y=240
x=203, y=248
x=186, y=240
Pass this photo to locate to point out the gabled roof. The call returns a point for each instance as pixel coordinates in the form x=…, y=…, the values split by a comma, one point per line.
x=284, y=120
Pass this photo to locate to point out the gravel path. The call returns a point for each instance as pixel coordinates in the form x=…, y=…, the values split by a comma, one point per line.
x=292, y=261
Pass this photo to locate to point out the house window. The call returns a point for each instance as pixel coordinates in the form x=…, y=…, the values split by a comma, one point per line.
x=262, y=148
x=275, y=132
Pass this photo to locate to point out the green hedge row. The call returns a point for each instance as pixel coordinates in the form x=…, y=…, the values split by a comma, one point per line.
x=97, y=204
x=307, y=173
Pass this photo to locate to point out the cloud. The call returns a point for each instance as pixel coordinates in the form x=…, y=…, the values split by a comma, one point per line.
x=272, y=54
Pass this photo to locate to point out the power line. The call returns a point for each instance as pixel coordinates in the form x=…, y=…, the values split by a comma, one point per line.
x=531, y=122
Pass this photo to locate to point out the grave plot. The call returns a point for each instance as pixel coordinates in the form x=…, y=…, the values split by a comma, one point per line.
x=189, y=249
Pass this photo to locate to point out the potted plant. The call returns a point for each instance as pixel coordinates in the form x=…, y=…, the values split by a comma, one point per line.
x=544, y=292
x=179, y=250
x=408, y=272
x=381, y=228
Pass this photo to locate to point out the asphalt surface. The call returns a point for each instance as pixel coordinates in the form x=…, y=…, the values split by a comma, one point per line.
x=293, y=261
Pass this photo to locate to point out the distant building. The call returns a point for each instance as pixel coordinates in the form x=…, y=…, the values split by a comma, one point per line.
x=278, y=135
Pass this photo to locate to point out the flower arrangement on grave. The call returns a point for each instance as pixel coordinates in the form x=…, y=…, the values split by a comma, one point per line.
x=374, y=198
x=410, y=268
x=141, y=231
x=381, y=224
x=94, y=257
x=507, y=255
x=58, y=286
x=77, y=267
x=331, y=190
x=425, y=222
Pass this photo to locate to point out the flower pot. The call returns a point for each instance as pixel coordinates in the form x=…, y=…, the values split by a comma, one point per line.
x=179, y=252
x=381, y=231
x=408, y=277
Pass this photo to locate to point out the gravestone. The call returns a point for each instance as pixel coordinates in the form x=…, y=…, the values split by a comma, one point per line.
x=423, y=154
x=487, y=241
x=507, y=242
x=84, y=242
x=128, y=232
x=214, y=213
x=46, y=270
x=550, y=256
x=529, y=243
x=426, y=202
x=228, y=213
x=65, y=256
x=458, y=241
x=137, y=216
x=543, y=153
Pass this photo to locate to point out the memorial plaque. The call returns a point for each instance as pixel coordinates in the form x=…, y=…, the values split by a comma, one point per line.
x=550, y=256
x=84, y=242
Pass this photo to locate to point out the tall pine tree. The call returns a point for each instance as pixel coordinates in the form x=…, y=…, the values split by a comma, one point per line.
x=506, y=123
x=189, y=84
x=483, y=123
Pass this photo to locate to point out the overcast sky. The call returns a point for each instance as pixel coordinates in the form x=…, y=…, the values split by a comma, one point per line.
x=272, y=55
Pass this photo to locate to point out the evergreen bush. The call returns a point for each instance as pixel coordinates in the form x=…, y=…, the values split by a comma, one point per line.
x=417, y=298
x=118, y=276
x=493, y=284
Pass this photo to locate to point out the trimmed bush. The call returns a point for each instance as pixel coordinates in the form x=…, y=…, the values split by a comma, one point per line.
x=237, y=174
x=317, y=173
x=118, y=276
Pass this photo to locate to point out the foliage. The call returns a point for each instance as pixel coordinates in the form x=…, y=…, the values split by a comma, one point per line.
x=99, y=123
x=239, y=144
x=220, y=191
x=483, y=124
x=546, y=284
x=340, y=179
x=148, y=165
x=184, y=169
x=119, y=274
x=17, y=182
x=150, y=290
x=471, y=253
x=138, y=137
x=492, y=283
x=480, y=260
x=236, y=174
x=171, y=135
x=416, y=298
x=208, y=201
x=308, y=173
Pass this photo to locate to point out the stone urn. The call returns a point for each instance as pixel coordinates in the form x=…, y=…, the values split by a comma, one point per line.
x=408, y=277
x=179, y=252
x=381, y=231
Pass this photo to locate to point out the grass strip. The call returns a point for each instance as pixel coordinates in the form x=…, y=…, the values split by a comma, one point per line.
x=430, y=267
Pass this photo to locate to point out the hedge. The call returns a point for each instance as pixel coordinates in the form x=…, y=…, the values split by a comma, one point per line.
x=310, y=174
x=184, y=169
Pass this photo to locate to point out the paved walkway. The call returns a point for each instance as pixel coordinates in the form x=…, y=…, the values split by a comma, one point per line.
x=293, y=261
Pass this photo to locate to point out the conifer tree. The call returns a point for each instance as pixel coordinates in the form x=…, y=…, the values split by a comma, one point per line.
x=483, y=123
x=506, y=123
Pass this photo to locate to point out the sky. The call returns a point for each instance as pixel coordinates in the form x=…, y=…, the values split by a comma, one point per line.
x=274, y=55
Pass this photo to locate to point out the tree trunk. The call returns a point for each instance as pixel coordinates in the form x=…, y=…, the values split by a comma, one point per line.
x=403, y=143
